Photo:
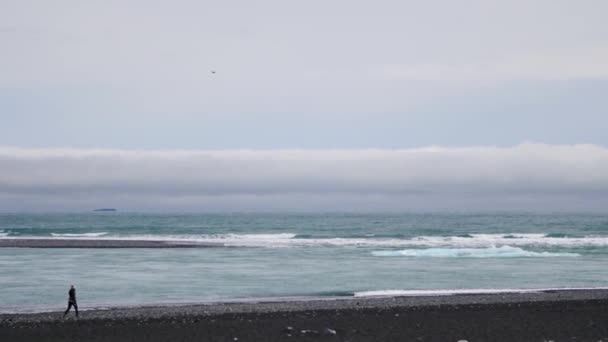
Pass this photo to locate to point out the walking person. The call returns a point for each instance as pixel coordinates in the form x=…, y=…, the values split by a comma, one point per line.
x=71, y=301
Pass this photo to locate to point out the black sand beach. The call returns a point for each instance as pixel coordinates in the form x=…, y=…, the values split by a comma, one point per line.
x=580, y=315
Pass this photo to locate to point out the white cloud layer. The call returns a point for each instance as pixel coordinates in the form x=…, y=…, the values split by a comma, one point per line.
x=582, y=63
x=304, y=179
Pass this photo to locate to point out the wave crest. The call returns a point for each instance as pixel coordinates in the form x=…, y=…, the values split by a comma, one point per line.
x=74, y=235
x=492, y=252
x=449, y=292
x=278, y=240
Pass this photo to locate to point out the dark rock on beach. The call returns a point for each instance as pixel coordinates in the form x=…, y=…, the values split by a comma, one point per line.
x=558, y=316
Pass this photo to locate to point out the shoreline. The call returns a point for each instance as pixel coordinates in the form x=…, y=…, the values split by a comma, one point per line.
x=551, y=315
x=339, y=301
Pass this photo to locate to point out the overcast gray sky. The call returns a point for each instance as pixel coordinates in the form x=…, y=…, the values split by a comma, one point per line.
x=325, y=78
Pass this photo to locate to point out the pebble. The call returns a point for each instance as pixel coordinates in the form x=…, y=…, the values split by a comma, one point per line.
x=309, y=332
x=329, y=331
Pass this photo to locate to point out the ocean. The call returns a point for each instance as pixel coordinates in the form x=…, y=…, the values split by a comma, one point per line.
x=282, y=256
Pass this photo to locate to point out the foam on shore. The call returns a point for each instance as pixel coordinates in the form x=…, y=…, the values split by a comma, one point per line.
x=83, y=235
x=450, y=292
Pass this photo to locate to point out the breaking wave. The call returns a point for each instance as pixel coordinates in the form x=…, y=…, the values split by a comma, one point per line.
x=84, y=235
x=449, y=292
x=492, y=252
x=467, y=241
x=474, y=241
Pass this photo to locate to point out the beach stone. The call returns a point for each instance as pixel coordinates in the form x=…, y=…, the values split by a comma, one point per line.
x=329, y=331
x=310, y=332
x=463, y=341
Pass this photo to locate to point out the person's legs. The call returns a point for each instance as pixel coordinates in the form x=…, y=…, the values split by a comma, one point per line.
x=68, y=309
x=76, y=308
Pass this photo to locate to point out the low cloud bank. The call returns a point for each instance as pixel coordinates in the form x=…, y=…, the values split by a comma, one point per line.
x=471, y=172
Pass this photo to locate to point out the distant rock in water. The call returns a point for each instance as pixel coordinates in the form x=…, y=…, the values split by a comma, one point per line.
x=104, y=209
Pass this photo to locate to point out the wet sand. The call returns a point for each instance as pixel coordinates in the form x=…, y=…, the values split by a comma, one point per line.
x=99, y=243
x=580, y=315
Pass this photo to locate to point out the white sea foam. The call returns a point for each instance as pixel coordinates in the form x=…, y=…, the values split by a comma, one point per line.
x=82, y=235
x=449, y=292
x=474, y=241
x=491, y=252
x=291, y=240
x=489, y=240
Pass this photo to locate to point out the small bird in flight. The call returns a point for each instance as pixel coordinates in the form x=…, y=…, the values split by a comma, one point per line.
x=213, y=71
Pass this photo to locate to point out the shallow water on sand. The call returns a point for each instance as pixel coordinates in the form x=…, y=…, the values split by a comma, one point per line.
x=296, y=255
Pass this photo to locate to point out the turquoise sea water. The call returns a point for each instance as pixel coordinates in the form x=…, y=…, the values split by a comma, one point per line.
x=297, y=255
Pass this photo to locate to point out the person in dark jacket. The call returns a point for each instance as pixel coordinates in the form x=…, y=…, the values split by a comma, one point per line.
x=71, y=301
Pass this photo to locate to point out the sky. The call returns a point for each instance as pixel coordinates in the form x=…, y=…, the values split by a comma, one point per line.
x=303, y=105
